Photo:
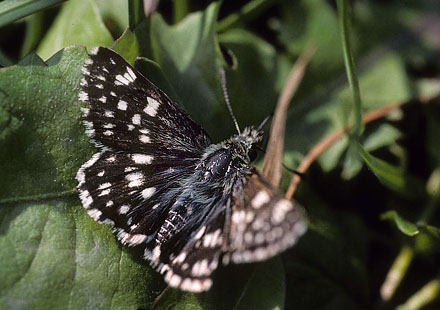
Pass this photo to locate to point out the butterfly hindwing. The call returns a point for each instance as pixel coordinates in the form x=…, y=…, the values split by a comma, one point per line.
x=126, y=190
x=192, y=268
x=262, y=223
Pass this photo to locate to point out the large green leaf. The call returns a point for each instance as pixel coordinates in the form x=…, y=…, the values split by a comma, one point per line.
x=186, y=53
x=54, y=256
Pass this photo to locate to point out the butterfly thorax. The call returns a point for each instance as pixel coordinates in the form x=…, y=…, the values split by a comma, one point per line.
x=230, y=159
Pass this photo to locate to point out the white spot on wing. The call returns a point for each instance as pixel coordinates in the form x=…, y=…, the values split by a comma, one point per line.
x=122, y=79
x=95, y=213
x=148, y=192
x=142, y=159
x=109, y=114
x=86, y=199
x=152, y=106
x=124, y=209
x=122, y=105
x=200, y=233
x=85, y=111
x=280, y=209
x=261, y=198
x=180, y=258
x=144, y=139
x=104, y=192
x=109, y=126
x=104, y=185
x=155, y=253
x=131, y=73
x=136, y=119
x=135, y=179
x=83, y=96
x=94, y=51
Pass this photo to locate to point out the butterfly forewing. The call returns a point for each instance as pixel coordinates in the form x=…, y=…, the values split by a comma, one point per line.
x=165, y=189
x=128, y=112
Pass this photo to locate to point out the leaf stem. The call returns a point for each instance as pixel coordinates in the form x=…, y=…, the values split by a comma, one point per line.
x=274, y=152
x=345, y=28
x=180, y=10
x=135, y=13
x=396, y=273
x=422, y=297
x=39, y=197
x=433, y=190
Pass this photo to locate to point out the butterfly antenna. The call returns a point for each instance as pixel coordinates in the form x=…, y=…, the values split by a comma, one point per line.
x=225, y=94
x=264, y=122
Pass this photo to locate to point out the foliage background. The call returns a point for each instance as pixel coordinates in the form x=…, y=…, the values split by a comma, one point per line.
x=53, y=256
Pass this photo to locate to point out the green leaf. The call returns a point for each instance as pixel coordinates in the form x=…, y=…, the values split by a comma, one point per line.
x=127, y=46
x=12, y=10
x=265, y=288
x=54, y=256
x=327, y=268
x=384, y=135
x=391, y=176
x=114, y=14
x=403, y=225
x=79, y=22
x=238, y=287
x=186, y=53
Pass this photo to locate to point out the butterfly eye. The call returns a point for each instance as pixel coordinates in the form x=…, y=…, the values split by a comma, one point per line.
x=252, y=154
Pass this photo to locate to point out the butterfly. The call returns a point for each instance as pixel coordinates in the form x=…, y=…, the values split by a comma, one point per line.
x=188, y=204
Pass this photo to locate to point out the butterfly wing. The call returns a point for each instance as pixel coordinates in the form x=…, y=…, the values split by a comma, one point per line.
x=148, y=144
x=192, y=266
x=127, y=112
x=262, y=223
x=252, y=222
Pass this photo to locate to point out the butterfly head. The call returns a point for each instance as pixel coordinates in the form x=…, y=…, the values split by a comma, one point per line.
x=246, y=142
